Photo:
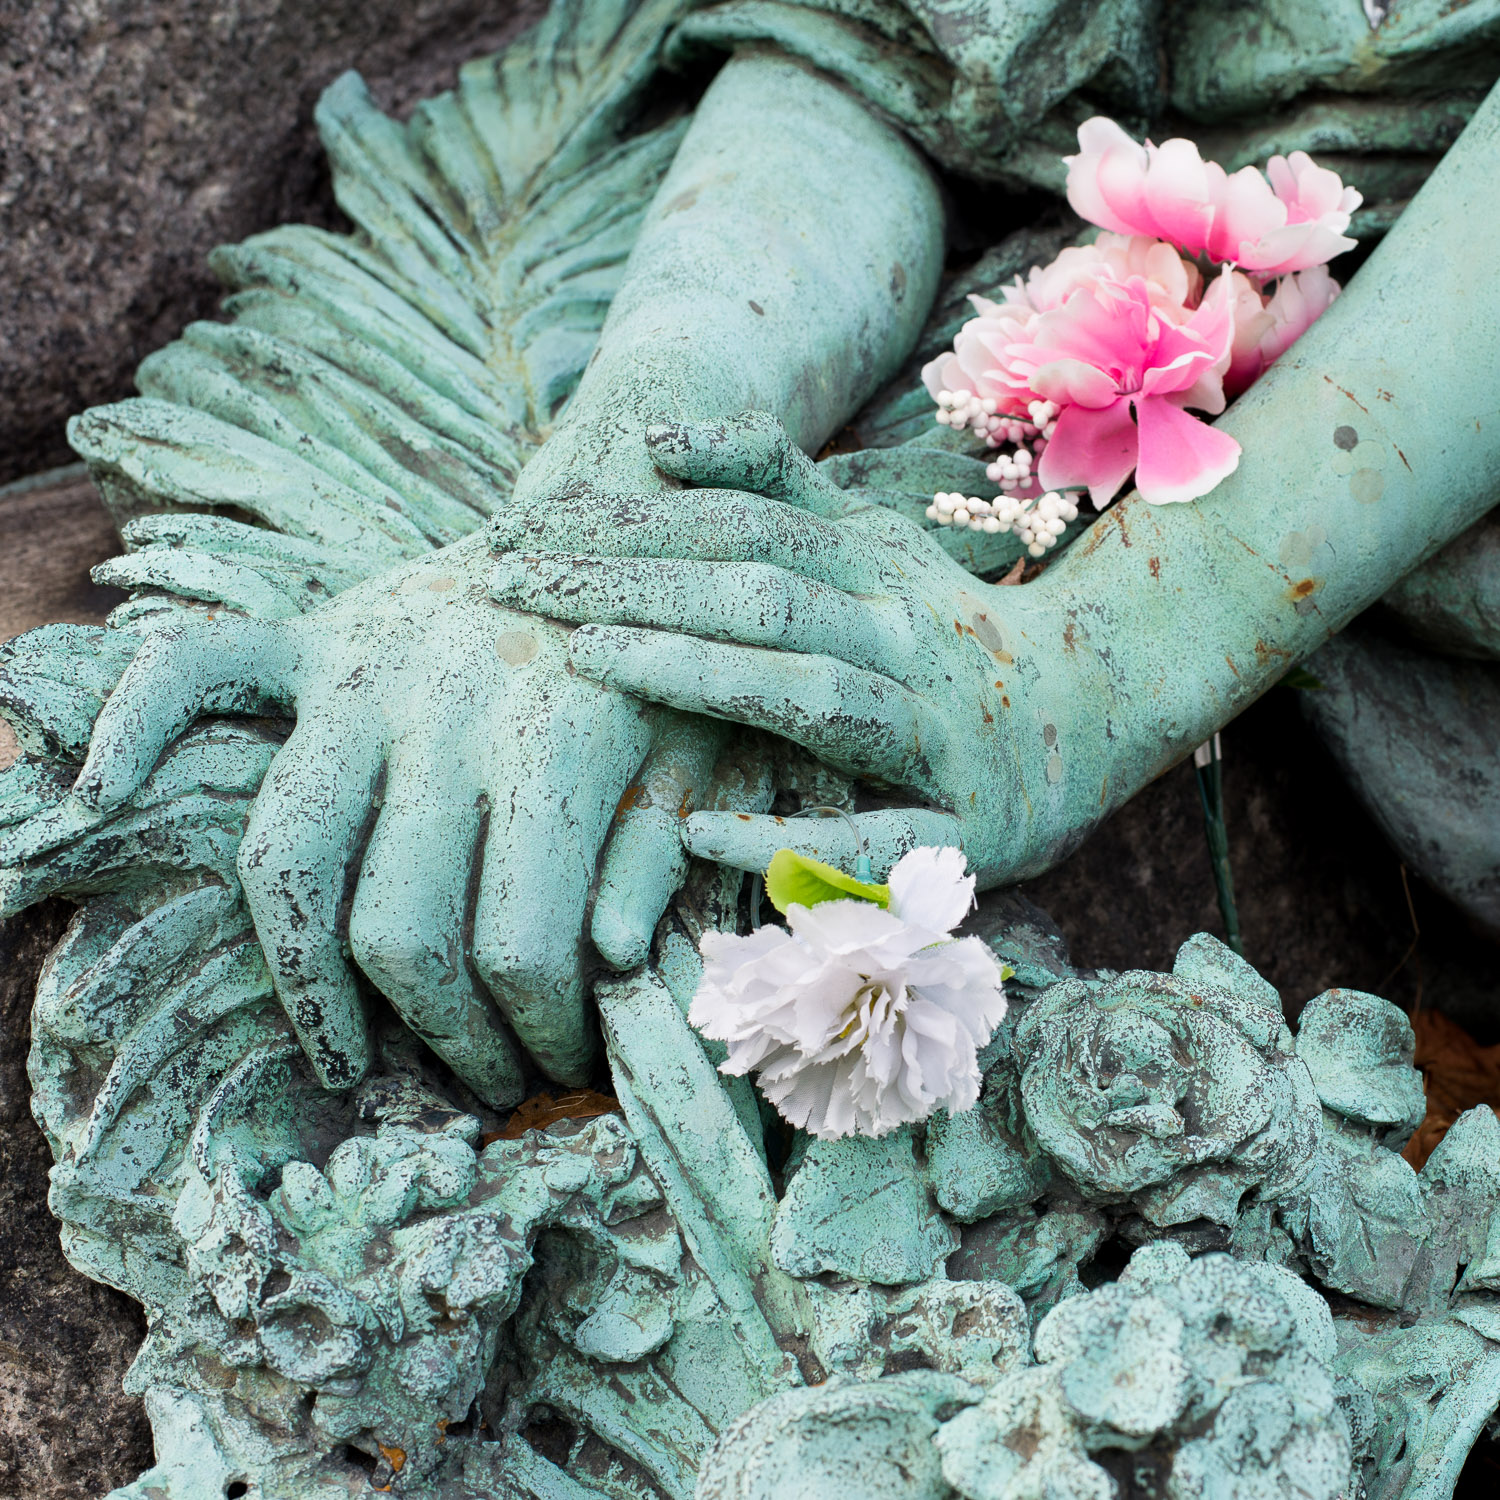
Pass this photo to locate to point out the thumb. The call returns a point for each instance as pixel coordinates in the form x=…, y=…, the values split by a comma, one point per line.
x=751, y=452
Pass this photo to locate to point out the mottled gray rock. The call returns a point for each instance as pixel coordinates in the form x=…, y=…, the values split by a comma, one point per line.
x=1453, y=602
x=134, y=137
x=67, y=1431
x=1415, y=734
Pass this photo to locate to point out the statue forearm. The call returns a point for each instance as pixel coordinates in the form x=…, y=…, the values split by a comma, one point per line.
x=1375, y=440
x=786, y=265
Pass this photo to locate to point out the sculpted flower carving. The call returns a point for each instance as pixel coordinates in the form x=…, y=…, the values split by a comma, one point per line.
x=1168, y=1091
x=1217, y=1371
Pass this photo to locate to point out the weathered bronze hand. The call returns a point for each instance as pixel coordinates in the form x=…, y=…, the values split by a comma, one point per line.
x=1028, y=714
x=447, y=760
x=494, y=769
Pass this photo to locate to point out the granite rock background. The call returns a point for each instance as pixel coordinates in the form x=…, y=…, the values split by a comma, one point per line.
x=135, y=135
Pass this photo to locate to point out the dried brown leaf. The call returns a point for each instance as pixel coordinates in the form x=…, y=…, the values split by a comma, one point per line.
x=1457, y=1074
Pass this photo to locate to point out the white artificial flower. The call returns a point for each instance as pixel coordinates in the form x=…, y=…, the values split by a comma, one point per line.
x=860, y=1018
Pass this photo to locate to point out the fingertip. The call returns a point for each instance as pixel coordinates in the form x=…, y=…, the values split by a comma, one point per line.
x=587, y=647
x=505, y=578
x=94, y=792
x=669, y=438
x=744, y=841
x=502, y=530
x=622, y=936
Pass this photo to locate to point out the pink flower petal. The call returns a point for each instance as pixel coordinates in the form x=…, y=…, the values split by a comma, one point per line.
x=1098, y=138
x=1121, y=181
x=1296, y=247
x=1177, y=194
x=1247, y=211
x=1169, y=191
x=1181, y=458
x=1095, y=449
x=1073, y=382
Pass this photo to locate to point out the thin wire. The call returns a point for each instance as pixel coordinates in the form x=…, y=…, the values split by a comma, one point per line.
x=1208, y=766
x=1416, y=937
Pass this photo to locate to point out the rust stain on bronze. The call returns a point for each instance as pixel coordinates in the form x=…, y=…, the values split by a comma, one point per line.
x=1303, y=589
x=1155, y=566
x=1402, y=457
x=1350, y=394
x=633, y=796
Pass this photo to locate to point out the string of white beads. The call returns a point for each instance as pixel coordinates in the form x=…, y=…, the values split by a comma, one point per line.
x=961, y=409
x=1044, y=416
x=1038, y=521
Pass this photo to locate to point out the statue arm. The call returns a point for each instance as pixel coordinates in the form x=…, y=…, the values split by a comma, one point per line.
x=1027, y=714
x=786, y=265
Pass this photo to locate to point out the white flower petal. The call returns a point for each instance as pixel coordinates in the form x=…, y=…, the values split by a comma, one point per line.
x=929, y=889
x=842, y=926
x=860, y=1019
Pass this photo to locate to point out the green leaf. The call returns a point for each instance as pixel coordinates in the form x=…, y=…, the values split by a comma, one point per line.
x=1301, y=678
x=794, y=878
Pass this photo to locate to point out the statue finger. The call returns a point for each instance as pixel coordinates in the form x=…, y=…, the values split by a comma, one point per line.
x=226, y=666
x=747, y=842
x=752, y=452
x=751, y=603
x=408, y=925
x=858, y=721
x=644, y=862
x=698, y=526
x=296, y=864
x=554, y=793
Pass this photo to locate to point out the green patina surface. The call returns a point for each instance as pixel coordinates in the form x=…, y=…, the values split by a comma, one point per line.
x=486, y=604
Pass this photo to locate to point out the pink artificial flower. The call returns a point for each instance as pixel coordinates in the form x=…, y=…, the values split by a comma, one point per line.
x=971, y=366
x=1291, y=223
x=1266, y=327
x=1123, y=374
x=1175, y=284
x=974, y=365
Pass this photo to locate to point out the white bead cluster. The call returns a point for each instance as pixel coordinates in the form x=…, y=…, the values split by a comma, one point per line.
x=962, y=409
x=1038, y=521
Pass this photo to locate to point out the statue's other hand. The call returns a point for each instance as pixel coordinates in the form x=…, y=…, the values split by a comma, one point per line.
x=438, y=812
x=567, y=485
x=840, y=626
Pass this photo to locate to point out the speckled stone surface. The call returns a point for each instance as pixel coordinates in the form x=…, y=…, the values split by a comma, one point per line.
x=67, y=1432
x=136, y=137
